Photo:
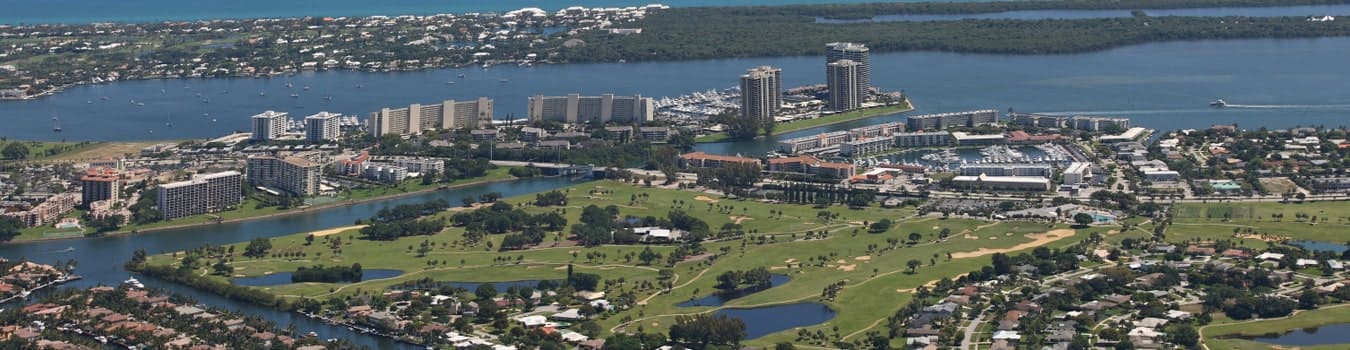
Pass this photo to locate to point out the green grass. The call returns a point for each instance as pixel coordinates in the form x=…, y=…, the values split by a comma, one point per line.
x=38, y=150
x=1225, y=336
x=49, y=231
x=1218, y=220
x=249, y=208
x=825, y=120
x=876, y=281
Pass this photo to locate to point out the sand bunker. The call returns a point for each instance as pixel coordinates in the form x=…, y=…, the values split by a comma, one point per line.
x=841, y=261
x=993, y=238
x=777, y=267
x=970, y=236
x=847, y=268
x=1262, y=237
x=740, y=219
x=335, y=230
x=1037, y=239
x=863, y=258
x=705, y=199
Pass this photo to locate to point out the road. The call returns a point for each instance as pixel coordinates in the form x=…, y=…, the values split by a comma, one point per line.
x=968, y=342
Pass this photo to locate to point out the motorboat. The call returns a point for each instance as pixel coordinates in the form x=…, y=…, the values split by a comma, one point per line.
x=133, y=282
x=1219, y=103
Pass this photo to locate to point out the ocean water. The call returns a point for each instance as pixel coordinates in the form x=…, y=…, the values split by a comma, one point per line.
x=1273, y=83
x=87, y=11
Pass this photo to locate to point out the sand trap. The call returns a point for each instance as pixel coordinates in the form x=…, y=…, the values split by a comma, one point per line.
x=847, y=268
x=841, y=261
x=863, y=258
x=335, y=230
x=705, y=199
x=1262, y=237
x=790, y=261
x=1009, y=234
x=992, y=238
x=740, y=219
x=1112, y=232
x=777, y=267
x=970, y=236
x=560, y=268
x=1037, y=239
x=937, y=228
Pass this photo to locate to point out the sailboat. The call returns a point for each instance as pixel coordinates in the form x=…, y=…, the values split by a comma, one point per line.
x=168, y=120
x=56, y=124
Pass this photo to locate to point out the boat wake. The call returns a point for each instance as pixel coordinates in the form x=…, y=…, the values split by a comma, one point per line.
x=1138, y=111
x=1343, y=106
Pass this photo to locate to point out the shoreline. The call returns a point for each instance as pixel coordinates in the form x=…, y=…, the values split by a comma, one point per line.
x=268, y=216
x=722, y=137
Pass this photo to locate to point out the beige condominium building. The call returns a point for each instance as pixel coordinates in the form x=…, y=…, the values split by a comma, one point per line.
x=296, y=175
x=202, y=194
x=575, y=108
x=417, y=118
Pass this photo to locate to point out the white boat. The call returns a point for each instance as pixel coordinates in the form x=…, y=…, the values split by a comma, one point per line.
x=133, y=282
x=1219, y=103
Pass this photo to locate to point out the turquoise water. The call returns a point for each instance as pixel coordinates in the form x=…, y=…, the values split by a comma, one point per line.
x=87, y=11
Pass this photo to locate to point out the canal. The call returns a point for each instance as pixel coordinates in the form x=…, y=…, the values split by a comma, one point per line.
x=101, y=259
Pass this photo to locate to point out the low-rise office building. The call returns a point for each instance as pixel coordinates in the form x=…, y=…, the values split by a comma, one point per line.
x=386, y=173
x=805, y=164
x=964, y=139
x=655, y=133
x=421, y=165
x=1077, y=173
x=943, y=121
x=866, y=146
x=923, y=139
x=1002, y=183
x=1133, y=134
x=807, y=143
x=705, y=160
x=1041, y=170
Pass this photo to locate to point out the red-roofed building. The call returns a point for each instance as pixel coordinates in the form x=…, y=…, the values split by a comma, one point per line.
x=352, y=166
x=1022, y=137
x=805, y=164
x=705, y=160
